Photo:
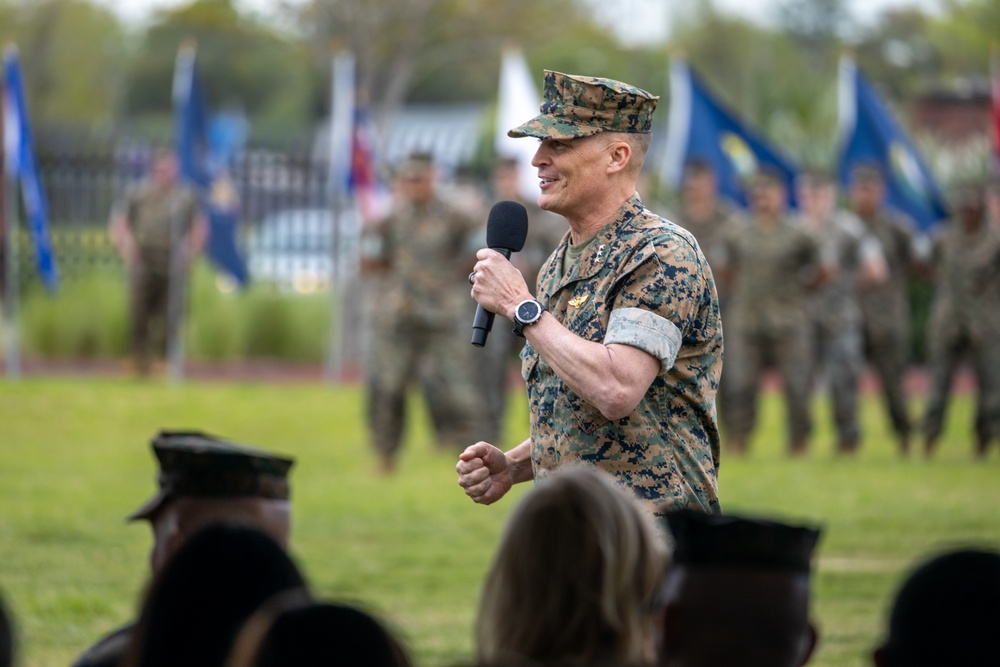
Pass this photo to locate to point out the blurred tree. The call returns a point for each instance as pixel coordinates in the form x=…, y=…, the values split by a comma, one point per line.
x=897, y=56
x=71, y=52
x=816, y=26
x=964, y=34
x=758, y=71
x=447, y=50
x=244, y=63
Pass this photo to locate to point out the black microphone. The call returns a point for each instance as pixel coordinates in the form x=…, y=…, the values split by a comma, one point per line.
x=506, y=229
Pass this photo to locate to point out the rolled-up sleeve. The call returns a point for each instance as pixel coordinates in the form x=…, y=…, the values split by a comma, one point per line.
x=647, y=331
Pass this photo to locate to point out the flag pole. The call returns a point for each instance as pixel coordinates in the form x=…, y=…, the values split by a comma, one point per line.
x=176, y=279
x=11, y=325
x=342, y=105
x=12, y=342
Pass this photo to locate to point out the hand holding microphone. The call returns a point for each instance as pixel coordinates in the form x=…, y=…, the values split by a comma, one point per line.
x=506, y=230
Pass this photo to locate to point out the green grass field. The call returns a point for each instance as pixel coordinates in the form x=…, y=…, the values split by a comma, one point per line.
x=74, y=460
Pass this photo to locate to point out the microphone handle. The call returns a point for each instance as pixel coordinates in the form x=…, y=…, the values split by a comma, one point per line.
x=482, y=325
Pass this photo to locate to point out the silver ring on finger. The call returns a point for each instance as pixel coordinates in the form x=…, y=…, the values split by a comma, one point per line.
x=472, y=278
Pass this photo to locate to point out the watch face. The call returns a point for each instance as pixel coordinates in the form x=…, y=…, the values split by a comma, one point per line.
x=527, y=311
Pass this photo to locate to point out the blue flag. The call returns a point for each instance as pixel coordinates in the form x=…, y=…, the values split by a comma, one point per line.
x=700, y=127
x=869, y=134
x=22, y=164
x=206, y=147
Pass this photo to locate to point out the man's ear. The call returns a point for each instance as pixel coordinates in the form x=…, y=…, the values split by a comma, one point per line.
x=620, y=156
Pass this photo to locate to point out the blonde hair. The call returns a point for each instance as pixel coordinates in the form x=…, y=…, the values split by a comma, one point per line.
x=574, y=578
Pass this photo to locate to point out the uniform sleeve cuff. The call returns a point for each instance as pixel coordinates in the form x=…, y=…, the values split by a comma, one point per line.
x=646, y=331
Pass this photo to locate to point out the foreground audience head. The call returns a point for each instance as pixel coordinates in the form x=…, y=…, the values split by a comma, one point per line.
x=205, y=593
x=737, y=593
x=204, y=479
x=293, y=629
x=6, y=637
x=574, y=576
x=946, y=613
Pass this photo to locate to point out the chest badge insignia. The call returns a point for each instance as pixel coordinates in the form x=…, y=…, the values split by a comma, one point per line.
x=578, y=301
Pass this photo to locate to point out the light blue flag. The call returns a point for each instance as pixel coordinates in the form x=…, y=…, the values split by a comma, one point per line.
x=22, y=164
x=700, y=127
x=870, y=135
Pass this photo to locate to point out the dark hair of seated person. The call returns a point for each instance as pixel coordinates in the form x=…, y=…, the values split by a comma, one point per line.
x=204, y=595
x=294, y=629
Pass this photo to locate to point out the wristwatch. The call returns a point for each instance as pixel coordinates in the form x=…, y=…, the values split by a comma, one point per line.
x=527, y=313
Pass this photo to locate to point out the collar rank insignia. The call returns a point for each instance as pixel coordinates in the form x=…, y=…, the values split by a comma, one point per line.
x=600, y=253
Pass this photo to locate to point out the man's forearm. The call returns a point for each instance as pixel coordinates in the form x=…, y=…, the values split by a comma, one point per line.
x=612, y=378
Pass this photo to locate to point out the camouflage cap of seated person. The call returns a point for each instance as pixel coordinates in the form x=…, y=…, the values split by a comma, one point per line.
x=581, y=106
x=195, y=464
x=714, y=540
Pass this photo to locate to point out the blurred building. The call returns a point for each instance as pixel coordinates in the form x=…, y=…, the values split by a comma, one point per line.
x=956, y=113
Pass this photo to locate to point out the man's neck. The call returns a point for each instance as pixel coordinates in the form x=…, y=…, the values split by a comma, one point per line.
x=594, y=220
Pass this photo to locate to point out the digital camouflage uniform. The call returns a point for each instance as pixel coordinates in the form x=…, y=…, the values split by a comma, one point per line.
x=157, y=218
x=641, y=281
x=886, y=312
x=965, y=319
x=767, y=321
x=421, y=325
x=835, y=315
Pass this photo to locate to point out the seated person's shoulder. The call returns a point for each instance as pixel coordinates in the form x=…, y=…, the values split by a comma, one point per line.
x=109, y=651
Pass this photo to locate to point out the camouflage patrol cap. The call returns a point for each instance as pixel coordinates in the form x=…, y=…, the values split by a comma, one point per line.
x=702, y=540
x=581, y=106
x=201, y=465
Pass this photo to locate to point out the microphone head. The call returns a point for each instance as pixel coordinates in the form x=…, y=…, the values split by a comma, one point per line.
x=507, y=226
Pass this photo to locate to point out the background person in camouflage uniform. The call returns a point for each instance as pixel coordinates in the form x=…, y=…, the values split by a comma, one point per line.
x=203, y=480
x=965, y=317
x=850, y=254
x=419, y=257
x=886, y=305
x=993, y=201
x=623, y=363
x=771, y=266
x=158, y=230
x=703, y=213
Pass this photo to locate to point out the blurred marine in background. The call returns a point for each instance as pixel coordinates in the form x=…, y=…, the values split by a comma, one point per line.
x=850, y=254
x=416, y=261
x=158, y=231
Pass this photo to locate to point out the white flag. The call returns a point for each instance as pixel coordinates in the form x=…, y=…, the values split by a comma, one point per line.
x=517, y=102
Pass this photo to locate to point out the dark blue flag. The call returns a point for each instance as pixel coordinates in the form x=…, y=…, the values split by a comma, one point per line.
x=22, y=164
x=869, y=134
x=701, y=127
x=205, y=149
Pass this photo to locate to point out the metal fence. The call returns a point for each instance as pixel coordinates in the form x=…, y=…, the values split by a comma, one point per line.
x=84, y=176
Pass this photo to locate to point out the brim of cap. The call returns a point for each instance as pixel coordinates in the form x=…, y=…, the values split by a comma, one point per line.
x=545, y=126
x=151, y=506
